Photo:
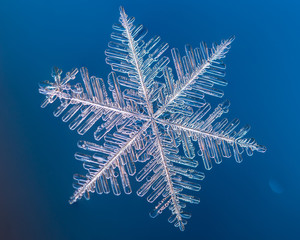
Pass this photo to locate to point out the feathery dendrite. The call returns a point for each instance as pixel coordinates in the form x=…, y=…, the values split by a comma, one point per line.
x=145, y=112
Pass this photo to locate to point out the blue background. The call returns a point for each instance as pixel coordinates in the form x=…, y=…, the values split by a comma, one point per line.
x=257, y=199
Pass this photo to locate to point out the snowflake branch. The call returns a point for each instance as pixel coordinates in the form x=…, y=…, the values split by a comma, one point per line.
x=135, y=57
x=200, y=70
x=89, y=183
x=75, y=100
x=213, y=135
x=167, y=174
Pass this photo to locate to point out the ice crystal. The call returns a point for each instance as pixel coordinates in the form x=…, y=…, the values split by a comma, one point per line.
x=150, y=115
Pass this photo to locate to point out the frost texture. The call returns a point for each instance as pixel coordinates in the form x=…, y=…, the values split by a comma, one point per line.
x=150, y=114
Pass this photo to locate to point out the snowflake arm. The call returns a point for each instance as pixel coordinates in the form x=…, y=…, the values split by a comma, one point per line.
x=214, y=140
x=88, y=104
x=140, y=61
x=166, y=179
x=118, y=151
x=197, y=73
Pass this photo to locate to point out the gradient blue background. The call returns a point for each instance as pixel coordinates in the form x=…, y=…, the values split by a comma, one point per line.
x=258, y=199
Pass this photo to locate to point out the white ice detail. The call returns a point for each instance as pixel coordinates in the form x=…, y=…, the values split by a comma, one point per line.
x=147, y=116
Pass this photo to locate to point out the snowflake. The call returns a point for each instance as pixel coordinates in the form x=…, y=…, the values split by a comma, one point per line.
x=149, y=117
